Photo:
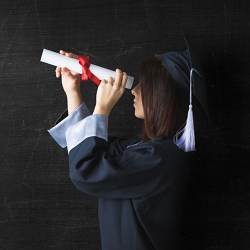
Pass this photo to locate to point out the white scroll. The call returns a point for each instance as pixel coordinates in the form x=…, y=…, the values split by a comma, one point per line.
x=59, y=60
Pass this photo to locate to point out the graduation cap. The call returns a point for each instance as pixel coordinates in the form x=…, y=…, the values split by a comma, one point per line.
x=185, y=69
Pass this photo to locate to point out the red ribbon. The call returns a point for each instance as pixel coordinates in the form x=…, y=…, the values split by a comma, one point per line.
x=86, y=73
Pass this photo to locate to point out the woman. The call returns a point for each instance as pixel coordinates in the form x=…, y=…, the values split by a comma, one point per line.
x=140, y=182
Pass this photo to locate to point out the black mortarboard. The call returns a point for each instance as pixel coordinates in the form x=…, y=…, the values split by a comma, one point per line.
x=185, y=69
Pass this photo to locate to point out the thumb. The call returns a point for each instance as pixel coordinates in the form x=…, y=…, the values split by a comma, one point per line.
x=65, y=70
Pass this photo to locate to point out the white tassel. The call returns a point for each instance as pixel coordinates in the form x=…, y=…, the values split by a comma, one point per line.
x=187, y=139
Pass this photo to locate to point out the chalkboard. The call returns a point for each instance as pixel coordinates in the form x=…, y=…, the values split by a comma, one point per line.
x=39, y=206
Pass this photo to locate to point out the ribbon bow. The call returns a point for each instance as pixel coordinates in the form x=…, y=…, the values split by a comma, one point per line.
x=86, y=73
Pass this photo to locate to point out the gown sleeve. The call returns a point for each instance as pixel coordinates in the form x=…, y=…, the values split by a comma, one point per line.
x=93, y=170
x=57, y=132
x=107, y=166
x=64, y=121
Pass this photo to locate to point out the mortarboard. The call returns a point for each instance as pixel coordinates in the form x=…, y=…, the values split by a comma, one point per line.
x=185, y=69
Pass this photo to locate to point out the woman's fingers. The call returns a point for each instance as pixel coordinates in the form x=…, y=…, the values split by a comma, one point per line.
x=58, y=72
x=58, y=69
x=65, y=71
x=118, y=78
x=62, y=52
x=68, y=54
x=110, y=80
x=124, y=79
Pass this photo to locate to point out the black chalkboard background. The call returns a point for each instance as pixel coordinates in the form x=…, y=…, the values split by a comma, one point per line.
x=39, y=206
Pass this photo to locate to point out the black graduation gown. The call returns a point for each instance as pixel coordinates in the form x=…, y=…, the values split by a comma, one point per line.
x=141, y=189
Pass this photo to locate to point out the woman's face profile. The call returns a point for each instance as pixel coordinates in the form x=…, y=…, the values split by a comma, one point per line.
x=136, y=92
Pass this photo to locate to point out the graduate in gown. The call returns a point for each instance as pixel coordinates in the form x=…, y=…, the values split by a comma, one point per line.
x=140, y=182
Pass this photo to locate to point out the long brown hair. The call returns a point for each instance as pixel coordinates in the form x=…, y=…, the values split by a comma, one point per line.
x=165, y=106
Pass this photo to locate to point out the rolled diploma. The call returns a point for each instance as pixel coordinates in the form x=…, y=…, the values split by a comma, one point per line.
x=59, y=60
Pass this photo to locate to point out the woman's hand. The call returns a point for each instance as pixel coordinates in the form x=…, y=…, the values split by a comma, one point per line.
x=71, y=84
x=70, y=79
x=108, y=93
